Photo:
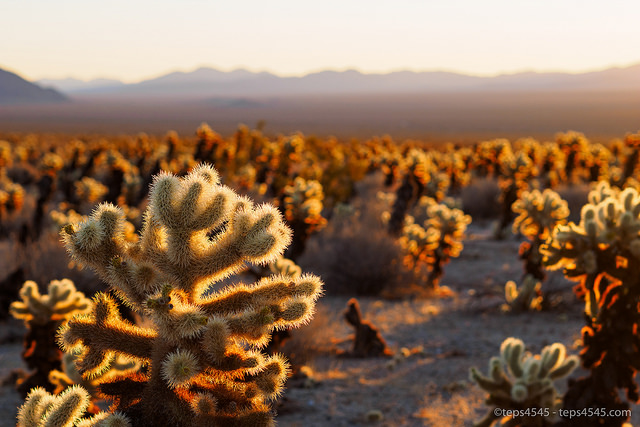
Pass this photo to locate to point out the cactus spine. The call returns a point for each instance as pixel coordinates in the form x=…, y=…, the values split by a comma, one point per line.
x=602, y=254
x=202, y=347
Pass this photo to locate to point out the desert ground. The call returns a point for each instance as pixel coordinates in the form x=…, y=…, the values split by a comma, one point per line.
x=435, y=341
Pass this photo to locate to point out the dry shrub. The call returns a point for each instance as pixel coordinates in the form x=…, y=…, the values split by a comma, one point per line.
x=480, y=199
x=310, y=340
x=354, y=255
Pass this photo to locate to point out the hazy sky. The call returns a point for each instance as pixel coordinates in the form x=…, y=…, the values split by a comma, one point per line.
x=137, y=39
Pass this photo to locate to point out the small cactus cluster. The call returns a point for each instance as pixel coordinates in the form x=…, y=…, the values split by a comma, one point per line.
x=66, y=409
x=518, y=380
x=201, y=345
x=43, y=315
x=516, y=171
x=602, y=254
x=538, y=214
x=527, y=296
x=434, y=242
x=605, y=241
x=302, y=206
x=90, y=190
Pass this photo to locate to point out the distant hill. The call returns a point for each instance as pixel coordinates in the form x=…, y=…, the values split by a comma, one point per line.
x=206, y=83
x=71, y=85
x=16, y=90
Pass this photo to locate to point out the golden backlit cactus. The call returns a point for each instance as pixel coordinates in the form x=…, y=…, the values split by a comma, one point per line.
x=602, y=253
x=609, y=228
x=201, y=344
x=434, y=242
x=527, y=296
x=538, y=213
x=42, y=409
x=286, y=267
x=516, y=172
x=575, y=146
x=43, y=315
x=90, y=190
x=69, y=375
x=518, y=380
x=302, y=203
x=61, y=302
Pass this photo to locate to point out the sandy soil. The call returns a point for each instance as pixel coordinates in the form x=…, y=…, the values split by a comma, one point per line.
x=441, y=337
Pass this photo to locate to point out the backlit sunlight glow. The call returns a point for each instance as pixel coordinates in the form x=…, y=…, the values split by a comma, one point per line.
x=137, y=40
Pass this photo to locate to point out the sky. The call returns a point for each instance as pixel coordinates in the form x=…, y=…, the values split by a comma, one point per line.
x=134, y=40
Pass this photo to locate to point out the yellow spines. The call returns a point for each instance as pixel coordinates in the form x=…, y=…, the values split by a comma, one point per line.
x=70, y=375
x=303, y=203
x=437, y=237
x=198, y=341
x=42, y=409
x=61, y=302
x=539, y=213
x=101, y=334
x=98, y=239
x=611, y=218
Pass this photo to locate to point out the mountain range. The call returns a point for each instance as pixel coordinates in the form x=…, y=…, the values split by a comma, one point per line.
x=206, y=83
x=16, y=90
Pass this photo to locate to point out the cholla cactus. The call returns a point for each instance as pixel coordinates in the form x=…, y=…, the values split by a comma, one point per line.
x=526, y=297
x=286, y=267
x=605, y=242
x=201, y=344
x=61, y=302
x=418, y=165
x=69, y=375
x=43, y=315
x=516, y=171
x=538, y=214
x=435, y=241
x=90, y=190
x=42, y=409
x=302, y=205
x=518, y=380
x=575, y=146
x=602, y=254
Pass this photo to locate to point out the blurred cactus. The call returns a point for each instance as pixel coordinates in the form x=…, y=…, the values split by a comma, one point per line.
x=538, y=213
x=518, y=380
x=43, y=315
x=434, y=242
x=575, y=147
x=526, y=297
x=69, y=375
x=201, y=345
x=302, y=205
x=602, y=254
x=516, y=171
x=42, y=409
x=89, y=190
x=411, y=189
x=286, y=267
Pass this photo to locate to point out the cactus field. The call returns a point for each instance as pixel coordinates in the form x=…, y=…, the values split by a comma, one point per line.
x=246, y=279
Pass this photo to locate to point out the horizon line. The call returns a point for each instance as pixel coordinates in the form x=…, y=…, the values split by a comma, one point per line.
x=337, y=70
